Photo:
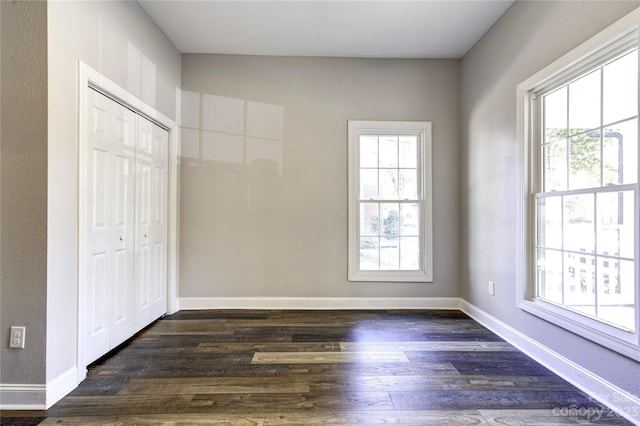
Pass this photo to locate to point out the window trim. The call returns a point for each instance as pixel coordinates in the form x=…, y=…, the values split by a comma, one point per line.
x=423, y=128
x=613, y=40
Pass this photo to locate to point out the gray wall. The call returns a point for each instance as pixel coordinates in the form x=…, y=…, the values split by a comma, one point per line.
x=264, y=170
x=23, y=190
x=529, y=36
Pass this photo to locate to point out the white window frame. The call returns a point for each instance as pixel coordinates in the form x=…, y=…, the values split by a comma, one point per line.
x=618, y=37
x=423, y=130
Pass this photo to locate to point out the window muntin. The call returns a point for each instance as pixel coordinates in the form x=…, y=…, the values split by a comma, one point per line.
x=389, y=202
x=585, y=210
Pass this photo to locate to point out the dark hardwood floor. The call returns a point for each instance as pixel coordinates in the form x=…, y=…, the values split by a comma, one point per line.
x=412, y=368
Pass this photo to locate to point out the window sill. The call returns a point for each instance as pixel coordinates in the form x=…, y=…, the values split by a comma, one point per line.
x=390, y=276
x=623, y=342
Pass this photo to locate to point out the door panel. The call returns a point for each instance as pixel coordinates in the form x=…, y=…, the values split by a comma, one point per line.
x=121, y=298
x=100, y=191
x=144, y=141
x=143, y=198
x=97, y=325
x=99, y=124
x=120, y=206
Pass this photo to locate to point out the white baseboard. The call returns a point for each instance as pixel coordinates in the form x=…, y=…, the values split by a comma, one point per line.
x=59, y=387
x=596, y=387
x=325, y=303
x=22, y=397
x=37, y=397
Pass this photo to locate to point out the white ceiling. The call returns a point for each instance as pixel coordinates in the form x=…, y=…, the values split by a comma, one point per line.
x=373, y=29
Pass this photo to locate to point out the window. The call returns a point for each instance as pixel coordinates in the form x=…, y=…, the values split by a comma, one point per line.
x=579, y=126
x=390, y=201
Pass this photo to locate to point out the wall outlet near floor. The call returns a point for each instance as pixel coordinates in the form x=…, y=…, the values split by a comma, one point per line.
x=492, y=288
x=16, y=339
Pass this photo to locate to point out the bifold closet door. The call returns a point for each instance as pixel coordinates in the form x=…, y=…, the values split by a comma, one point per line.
x=123, y=197
x=108, y=236
x=151, y=222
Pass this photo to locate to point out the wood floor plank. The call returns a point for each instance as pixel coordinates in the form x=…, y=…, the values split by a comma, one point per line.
x=427, y=346
x=404, y=418
x=557, y=416
x=327, y=357
x=425, y=383
x=216, y=385
x=375, y=369
x=242, y=347
x=310, y=403
x=108, y=405
x=159, y=419
x=211, y=370
x=497, y=399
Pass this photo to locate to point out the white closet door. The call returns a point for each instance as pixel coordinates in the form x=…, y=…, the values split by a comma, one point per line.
x=158, y=229
x=122, y=210
x=97, y=232
x=151, y=228
x=123, y=193
x=108, y=187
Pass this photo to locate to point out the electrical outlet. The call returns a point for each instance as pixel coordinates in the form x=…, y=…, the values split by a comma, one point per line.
x=492, y=288
x=16, y=339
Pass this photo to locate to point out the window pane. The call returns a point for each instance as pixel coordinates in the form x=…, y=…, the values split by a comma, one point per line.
x=408, y=152
x=388, y=151
x=388, y=184
x=584, y=103
x=369, y=151
x=580, y=286
x=368, y=184
x=555, y=166
x=616, y=223
x=408, y=182
x=555, y=115
x=389, y=253
x=612, y=167
x=616, y=292
x=369, y=253
x=390, y=220
x=369, y=219
x=549, y=275
x=584, y=161
x=550, y=222
x=621, y=88
x=620, y=153
x=578, y=232
x=410, y=253
x=409, y=220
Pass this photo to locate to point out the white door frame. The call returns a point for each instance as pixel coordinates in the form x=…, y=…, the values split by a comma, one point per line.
x=90, y=77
